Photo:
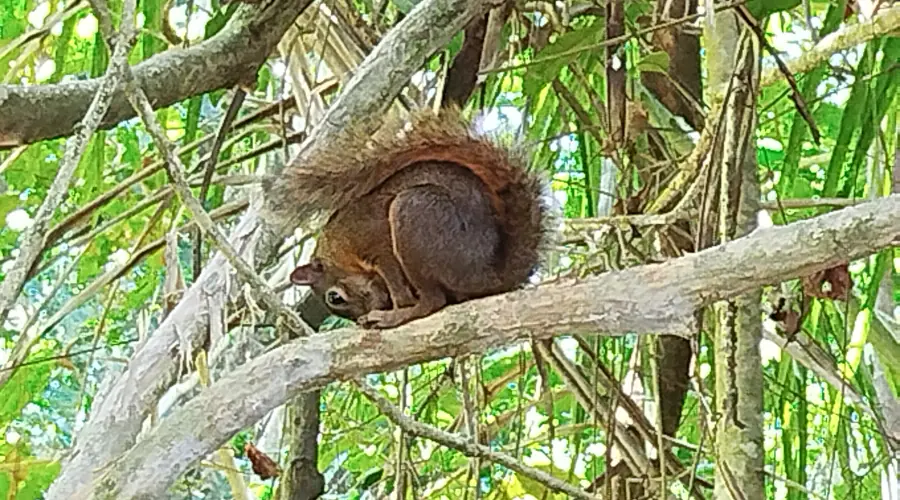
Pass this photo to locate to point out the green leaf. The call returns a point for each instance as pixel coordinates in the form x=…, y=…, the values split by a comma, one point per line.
x=370, y=477
x=151, y=42
x=13, y=22
x=850, y=121
x=23, y=387
x=38, y=475
x=62, y=49
x=90, y=169
x=884, y=93
x=130, y=148
x=100, y=57
x=654, y=62
x=144, y=286
x=192, y=119
x=405, y=6
x=559, y=54
x=808, y=86
x=91, y=264
x=21, y=173
x=219, y=20
x=8, y=203
x=634, y=10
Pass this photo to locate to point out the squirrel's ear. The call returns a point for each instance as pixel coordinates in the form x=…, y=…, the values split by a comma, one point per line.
x=308, y=274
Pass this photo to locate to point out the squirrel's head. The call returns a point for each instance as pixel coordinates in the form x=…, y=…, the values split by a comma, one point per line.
x=347, y=295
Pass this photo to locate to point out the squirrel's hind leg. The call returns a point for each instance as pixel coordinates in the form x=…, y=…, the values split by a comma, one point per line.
x=443, y=243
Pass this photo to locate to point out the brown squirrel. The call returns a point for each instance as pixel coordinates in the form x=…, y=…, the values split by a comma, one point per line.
x=418, y=220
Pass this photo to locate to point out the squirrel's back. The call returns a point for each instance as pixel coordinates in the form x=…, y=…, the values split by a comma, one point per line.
x=357, y=164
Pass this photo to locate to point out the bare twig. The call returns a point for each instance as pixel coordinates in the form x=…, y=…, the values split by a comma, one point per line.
x=176, y=170
x=467, y=446
x=33, y=237
x=575, y=229
x=796, y=95
x=809, y=203
x=210, y=167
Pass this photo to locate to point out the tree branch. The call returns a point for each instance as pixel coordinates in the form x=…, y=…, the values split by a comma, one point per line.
x=32, y=113
x=658, y=298
x=881, y=24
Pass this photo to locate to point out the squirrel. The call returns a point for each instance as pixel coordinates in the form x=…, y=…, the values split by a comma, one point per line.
x=419, y=219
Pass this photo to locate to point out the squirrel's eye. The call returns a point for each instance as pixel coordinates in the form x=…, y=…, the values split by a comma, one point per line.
x=334, y=298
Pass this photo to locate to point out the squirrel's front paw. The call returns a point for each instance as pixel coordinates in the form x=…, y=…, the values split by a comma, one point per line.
x=382, y=319
x=373, y=319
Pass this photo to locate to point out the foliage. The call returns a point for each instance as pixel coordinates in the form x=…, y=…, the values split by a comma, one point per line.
x=815, y=435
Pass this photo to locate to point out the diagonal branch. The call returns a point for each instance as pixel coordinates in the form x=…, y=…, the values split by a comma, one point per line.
x=657, y=298
x=33, y=238
x=118, y=414
x=466, y=445
x=176, y=172
x=881, y=24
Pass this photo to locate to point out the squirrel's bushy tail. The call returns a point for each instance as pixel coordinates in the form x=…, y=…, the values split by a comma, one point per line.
x=356, y=163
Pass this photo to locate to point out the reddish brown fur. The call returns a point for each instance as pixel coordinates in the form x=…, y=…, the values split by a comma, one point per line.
x=409, y=230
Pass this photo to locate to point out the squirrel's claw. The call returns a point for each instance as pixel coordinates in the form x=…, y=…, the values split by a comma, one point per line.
x=391, y=318
x=378, y=319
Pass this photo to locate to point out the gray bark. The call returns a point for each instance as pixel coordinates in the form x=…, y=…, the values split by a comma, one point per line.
x=739, y=383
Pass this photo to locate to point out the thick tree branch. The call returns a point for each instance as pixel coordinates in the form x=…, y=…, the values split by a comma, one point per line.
x=32, y=113
x=883, y=23
x=658, y=298
x=118, y=415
